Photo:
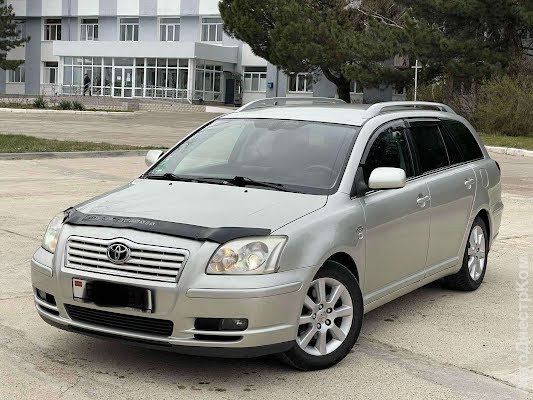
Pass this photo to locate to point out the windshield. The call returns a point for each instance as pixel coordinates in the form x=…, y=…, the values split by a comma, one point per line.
x=299, y=156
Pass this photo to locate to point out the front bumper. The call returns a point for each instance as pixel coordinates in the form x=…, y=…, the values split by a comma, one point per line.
x=271, y=303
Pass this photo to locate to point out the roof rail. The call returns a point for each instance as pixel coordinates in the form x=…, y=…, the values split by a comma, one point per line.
x=282, y=101
x=389, y=106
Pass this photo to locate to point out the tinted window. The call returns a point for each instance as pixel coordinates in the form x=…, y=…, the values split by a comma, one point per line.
x=429, y=147
x=454, y=154
x=390, y=149
x=305, y=156
x=465, y=140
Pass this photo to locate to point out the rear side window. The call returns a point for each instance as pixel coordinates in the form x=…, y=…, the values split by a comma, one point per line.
x=454, y=153
x=390, y=149
x=430, y=147
x=464, y=139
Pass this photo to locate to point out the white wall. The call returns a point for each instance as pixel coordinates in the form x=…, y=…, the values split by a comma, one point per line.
x=47, y=52
x=88, y=7
x=168, y=7
x=209, y=7
x=15, y=88
x=52, y=8
x=127, y=7
x=18, y=53
x=249, y=59
x=19, y=7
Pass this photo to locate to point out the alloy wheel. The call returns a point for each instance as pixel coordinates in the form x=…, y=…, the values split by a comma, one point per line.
x=476, y=252
x=326, y=317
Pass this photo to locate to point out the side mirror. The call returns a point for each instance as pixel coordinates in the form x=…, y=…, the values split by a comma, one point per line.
x=152, y=156
x=387, y=178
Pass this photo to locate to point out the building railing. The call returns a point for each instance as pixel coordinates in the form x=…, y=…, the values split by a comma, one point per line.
x=147, y=91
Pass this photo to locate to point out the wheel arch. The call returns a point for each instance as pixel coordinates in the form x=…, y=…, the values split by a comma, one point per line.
x=485, y=217
x=346, y=260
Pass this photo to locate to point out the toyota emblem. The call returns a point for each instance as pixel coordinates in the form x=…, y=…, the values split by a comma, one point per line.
x=118, y=253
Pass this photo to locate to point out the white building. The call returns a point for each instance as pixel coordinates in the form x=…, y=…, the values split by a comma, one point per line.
x=143, y=48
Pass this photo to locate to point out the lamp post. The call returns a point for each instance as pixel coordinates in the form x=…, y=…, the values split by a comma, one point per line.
x=416, y=67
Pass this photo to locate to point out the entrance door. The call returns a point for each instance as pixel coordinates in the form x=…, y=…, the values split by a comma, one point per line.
x=123, y=82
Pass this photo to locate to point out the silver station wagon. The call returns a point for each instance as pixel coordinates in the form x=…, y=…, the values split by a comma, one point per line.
x=272, y=230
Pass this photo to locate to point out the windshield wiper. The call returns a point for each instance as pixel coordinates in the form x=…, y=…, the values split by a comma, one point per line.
x=183, y=178
x=245, y=181
x=241, y=181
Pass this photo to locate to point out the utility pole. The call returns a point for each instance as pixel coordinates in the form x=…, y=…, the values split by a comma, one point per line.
x=416, y=67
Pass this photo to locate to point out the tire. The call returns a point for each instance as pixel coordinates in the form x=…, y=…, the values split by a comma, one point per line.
x=475, y=256
x=330, y=323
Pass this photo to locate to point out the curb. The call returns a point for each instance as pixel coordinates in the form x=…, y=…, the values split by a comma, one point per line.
x=71, y=112
x=510, y=151
x=73, y=154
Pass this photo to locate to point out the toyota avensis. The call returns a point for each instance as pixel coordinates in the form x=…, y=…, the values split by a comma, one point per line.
x=274, y=229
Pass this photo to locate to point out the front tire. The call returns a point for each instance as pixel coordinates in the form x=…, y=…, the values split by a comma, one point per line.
x=472, y=272
x=331, y=319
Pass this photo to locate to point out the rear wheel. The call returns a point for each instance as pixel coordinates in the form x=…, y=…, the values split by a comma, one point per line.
x=330, y=321
x=472, y=272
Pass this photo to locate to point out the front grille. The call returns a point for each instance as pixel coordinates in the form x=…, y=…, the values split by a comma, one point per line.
x=146, y=262
x=151, y=326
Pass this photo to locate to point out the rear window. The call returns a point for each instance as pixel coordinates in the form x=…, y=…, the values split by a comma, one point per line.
x=429, y=147
x=464, y=139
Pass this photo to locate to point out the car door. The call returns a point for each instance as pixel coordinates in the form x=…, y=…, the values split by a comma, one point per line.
x=397, y=220
x=452, y=186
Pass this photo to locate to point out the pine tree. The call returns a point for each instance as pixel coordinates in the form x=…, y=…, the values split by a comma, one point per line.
x=467, y=40
x=8, y=36
x=330, y=36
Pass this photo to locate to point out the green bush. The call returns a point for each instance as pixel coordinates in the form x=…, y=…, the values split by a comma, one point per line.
x=505, y=106
x=39, y=102
x=65, y=105
x=76, y=105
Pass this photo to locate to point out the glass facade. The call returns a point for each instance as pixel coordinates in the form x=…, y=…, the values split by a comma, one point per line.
x=127, y=77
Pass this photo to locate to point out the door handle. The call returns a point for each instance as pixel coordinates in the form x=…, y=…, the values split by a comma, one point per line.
x=421, y=201
x=469, y=183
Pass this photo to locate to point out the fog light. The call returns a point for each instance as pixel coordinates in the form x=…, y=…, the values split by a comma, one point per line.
x=234, y=324
x=220, y=324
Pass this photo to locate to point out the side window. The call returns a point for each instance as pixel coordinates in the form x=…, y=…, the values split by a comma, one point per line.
x=390, y=149
x=454, y=153
x=465, y=140
x=429, y=147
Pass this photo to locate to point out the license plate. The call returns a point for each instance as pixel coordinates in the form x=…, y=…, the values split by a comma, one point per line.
x=106, y=294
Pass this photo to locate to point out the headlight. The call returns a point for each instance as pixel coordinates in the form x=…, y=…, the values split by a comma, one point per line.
x=51, y=235
x=251, y=256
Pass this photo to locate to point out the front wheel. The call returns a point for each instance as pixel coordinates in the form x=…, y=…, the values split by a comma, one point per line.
x=331, y=319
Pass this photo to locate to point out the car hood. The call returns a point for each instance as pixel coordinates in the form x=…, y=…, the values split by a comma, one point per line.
x=206, y=205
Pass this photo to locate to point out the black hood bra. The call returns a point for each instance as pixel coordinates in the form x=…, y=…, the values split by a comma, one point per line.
x=195, y=232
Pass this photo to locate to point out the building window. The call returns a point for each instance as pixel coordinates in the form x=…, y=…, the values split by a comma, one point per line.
x=19, y=28
x=129, y=29
x=355, y=88
x=169, y=29
x=52, y=29
x=17, y=75
x=255, y=79
x=208, y=82
x=50, y=72
x=301, y=83
x=212, y=29
x=89, y=29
